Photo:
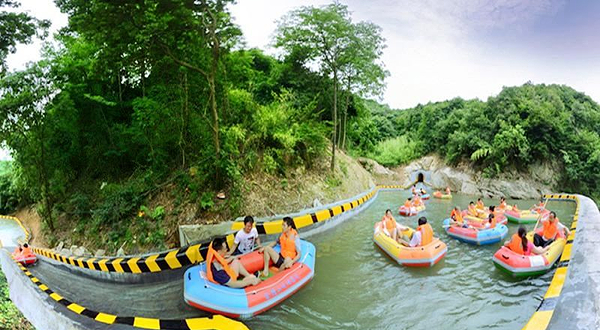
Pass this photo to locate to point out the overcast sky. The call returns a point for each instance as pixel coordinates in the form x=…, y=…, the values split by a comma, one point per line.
x=438, y=50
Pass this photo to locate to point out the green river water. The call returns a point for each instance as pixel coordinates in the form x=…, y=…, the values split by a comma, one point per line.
x=356, y=286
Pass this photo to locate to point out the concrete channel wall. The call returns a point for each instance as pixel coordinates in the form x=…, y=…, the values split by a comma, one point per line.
x=578, y=306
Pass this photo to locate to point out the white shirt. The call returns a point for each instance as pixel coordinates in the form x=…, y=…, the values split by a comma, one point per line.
x=416, y=239
x=245, y=241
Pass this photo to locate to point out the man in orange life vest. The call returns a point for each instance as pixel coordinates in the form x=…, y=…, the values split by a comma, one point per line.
x=226, y=271
x=290, y=248
x=551, y=226
x=422, y=236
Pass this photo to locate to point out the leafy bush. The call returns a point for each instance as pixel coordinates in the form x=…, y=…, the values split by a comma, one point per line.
x=396, y=151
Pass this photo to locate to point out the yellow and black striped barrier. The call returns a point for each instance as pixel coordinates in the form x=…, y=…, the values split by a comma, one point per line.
x=153, y=263
x=196, y=253
x=216, y=322
x=541, y=318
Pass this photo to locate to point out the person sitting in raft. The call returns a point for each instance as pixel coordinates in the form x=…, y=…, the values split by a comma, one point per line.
x=551, y=226
x=26, y=250
x=414, y=189
x=491, y=223
x=18, y=250
x=537, y=208
x=518, y=243
x=417, y=201
x=226, y=271
x=448, y=192
x=456, y=218
x=390, y=227
x=245, y=238
x=472, y=210
x=515, y=208
x=422, y=236
x=289, y=241
x=502, y=203
x=480, y=204
x=422, y=192
x=407, y=203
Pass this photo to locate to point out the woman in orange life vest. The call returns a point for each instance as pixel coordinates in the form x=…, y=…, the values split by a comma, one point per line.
x=491, y=223
x=225, y=271
x=290, y=248
x=551, y=226
x=422, y=236
x=518, y=243
x=390, y=227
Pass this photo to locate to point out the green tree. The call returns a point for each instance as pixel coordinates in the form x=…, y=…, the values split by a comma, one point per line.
x=17, y=28
x=322, y=36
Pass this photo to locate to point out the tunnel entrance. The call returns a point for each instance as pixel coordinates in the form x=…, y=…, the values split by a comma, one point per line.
x=420, y=177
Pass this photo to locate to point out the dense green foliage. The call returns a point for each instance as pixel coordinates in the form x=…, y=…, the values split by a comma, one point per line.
x=520, y=126
x=140, y=96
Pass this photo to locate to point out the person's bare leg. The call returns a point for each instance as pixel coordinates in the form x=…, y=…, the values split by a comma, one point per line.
x=250, y=280
x=270, y=254
x=237, y=266
x=395, y=234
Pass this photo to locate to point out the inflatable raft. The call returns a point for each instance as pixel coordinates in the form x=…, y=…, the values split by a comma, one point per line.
x=27, y=259
x=407, y=212
x=525, y=216
x=475, y=236
x=420, y=256
x=201, y=293
x=438, y=194
x=425, y=197
x=519, y=265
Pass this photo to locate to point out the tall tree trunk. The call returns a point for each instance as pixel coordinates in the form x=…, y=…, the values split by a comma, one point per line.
x=334, y=119
x=345, y=120
x=45, y=185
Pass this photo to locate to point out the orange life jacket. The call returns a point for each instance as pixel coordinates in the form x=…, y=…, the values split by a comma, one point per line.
x=473, y=210
x=493, y=224
x=516, y=244
x=288, y=244
x=480, y=205
x=550, y=229
x=210, y=257
x=26, y=251
x=17, y=251
x=426, y=234
x=502, y=205
x=457, y=216
x=407, y=203
x=389, y=223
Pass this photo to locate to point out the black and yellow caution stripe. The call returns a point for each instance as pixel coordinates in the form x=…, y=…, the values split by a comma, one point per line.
x=542, y=316
x=216, y=322
x=153, y=263
x=308, y=219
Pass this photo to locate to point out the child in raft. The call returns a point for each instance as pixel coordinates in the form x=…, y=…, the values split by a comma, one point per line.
x=519, y=244
x=225, y=271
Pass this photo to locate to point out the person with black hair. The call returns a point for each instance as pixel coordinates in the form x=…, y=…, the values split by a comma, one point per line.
x=225, y=271
x=551, y=226
x=246, y=238
x=422, y=236
x=289, y=241
x=519, y=243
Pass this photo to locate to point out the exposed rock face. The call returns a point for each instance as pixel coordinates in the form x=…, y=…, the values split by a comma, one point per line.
x=464, y=179
x=100, y=253
x=120, y=252
x=374, y=167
